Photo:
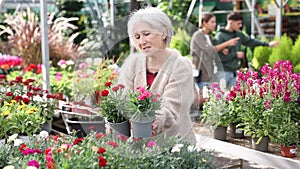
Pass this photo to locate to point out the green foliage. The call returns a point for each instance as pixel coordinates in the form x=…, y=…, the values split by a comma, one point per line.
x=283, y=51
x=287, y=134
x=295, y=59
x=143, y=104
x=261, y=56
x=177, y=9
x=215, y=109
x=297, y=68
x=181, y=42
x=112, y=103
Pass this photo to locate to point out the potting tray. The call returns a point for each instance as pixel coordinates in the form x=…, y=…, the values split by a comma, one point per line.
x=82, y=121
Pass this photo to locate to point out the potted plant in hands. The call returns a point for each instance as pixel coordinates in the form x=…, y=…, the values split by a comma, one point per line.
x=141, y=108
x=215, y=111
x=112, y=108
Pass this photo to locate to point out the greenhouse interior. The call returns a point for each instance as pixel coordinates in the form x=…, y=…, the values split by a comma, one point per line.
x=150, y=84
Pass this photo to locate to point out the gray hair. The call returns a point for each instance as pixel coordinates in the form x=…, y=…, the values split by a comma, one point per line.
x=155, y=18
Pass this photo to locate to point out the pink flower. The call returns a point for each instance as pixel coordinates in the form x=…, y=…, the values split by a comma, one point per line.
x=82, y=65
x=58, y=76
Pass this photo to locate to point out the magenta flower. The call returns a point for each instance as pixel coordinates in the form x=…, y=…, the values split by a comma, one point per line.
x=151, y=143
x=33, y=163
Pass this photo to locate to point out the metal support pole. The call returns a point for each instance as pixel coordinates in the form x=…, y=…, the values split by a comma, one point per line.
x=200, y=12
x=112, y=19
x=252, y=18
x=278, y=23
x=45, y=45
x=189, y=13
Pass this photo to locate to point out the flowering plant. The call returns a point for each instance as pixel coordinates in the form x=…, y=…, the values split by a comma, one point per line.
x=142, y=104
x=61, y=77
x=107, y=70
x=83, y=83
x=112, y=103
x=8, y=63
x=28, y=92
x=267, y=100
x=97, y=150
x=215, y=110
x=21, y=118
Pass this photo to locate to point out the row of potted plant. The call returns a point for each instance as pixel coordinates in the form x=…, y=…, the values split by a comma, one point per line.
x=265, y=105
x=98, y=150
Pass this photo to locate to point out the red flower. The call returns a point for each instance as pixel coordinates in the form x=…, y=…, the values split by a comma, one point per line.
x=101, y=150
x=108, y=83
x=17, y=98
x=78, y=140
x=104, y=93
x=53, y=96
x=56, y=138
x=91, y=127
x=112, y=143
x=121, y=86
x=102, y=161
x=51, y=164
x=100, y=135
x=48, y=151
x=2, y=76
x=26, y=100
x=26, y=83
x=9, y=94
x=22, y=147
x=29, y=94
x=19, y=79
x=115, y=88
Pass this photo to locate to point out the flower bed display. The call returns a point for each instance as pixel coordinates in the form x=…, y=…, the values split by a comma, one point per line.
x=98, y=150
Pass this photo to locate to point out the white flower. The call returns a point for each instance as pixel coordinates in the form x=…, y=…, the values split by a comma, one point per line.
x=37, y=98
x=223, y=84
x=9, y=167
x=90, y=71
x=43, y=134
x=63, y=66
x=31, y=167
x=70, y=62
x=12, y=138
x=191, y=148
x=3, y=89
x=205, y=92
x=18, y=142
x=176, y=148
x=113, y=66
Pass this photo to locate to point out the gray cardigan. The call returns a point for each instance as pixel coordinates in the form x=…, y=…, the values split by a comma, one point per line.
x=174, y=82
x=203, y=56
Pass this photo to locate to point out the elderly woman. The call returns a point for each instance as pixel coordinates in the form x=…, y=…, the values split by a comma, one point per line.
x=160, y=69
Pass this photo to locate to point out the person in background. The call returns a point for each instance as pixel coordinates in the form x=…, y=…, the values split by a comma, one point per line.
x=161, y=69
x=204, y=52
x=231, y=60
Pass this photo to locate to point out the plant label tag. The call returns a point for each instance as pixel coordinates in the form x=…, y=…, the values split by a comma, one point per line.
x=239, y=131
x=292, y=151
